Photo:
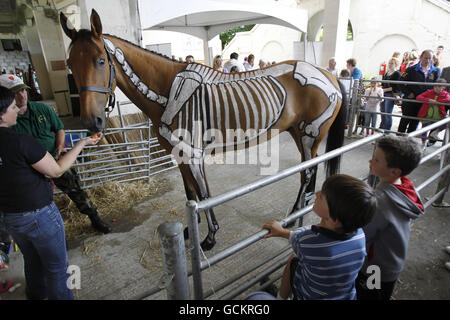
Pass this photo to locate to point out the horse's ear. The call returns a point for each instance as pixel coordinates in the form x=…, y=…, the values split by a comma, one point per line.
x=96, y=24
x=67, y=26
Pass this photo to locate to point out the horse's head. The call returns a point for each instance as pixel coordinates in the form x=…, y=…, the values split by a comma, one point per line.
x=93, y=70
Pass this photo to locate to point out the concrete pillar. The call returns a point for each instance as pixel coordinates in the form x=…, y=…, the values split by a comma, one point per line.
x=335, y=30
x=38, y=60
x=53, y=50
x=175, y=279
x=206, y=52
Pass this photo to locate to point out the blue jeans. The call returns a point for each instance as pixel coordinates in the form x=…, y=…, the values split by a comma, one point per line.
x=41, y=238
x=370, y=120
x=387, y=106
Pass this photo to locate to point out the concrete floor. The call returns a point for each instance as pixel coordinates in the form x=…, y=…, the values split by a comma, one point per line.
x=124, y=265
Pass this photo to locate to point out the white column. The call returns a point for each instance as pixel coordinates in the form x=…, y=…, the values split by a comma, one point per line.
x=38, y=60
x=335, y=31
x=53, y=50
x=206, y=52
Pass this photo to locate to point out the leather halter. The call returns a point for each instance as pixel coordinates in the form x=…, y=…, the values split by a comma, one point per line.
x=108, y=91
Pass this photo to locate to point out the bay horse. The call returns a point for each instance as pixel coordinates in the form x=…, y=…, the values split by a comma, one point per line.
x=193, y=106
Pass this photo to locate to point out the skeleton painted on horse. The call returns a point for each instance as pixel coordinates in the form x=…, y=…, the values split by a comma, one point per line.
x=192, y=104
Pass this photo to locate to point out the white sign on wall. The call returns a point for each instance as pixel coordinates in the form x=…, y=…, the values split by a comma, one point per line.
x=162, y=48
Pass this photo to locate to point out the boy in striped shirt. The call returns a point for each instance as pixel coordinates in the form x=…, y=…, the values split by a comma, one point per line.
x=328, y=256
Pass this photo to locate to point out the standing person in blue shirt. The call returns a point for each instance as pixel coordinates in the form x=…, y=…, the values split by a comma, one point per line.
x=355, y=72
x=329, y=255
x=424, y=71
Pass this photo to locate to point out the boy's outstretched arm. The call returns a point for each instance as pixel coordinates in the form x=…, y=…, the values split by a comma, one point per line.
x=276, y=230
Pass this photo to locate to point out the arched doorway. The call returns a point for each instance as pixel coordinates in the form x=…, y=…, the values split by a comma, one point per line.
x=378, y=52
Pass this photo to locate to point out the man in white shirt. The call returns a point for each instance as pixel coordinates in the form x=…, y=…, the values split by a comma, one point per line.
x=234, y=62
x=332, y=67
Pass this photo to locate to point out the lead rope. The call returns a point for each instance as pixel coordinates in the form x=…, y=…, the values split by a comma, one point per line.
x=209, y=266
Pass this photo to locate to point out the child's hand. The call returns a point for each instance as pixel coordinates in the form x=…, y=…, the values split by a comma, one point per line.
x=275, y=230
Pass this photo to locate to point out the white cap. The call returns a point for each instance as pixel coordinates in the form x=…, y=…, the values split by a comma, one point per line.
x=12, y=83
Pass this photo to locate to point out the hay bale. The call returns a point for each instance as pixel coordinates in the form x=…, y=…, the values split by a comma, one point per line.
x=112, y=199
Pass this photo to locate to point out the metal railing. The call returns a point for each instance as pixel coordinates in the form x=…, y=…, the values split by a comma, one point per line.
x=120, y=162
x=274, y=263
x=277, y=261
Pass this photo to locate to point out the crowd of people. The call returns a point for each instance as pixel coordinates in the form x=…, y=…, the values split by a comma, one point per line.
x=233, y=64
x=382, y=97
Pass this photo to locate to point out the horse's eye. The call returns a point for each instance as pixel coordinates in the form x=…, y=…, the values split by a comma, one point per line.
x=101, y=61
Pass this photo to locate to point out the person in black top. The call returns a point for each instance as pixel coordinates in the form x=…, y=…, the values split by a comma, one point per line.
x=390, y=90
x=40, y=121
x=424, y=71
x=27, y=210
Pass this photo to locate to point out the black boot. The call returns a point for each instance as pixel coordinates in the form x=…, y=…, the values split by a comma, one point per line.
x=100, y=225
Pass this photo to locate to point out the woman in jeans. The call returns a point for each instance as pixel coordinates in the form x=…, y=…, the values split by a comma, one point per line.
x=27, y=210
x=390, y=90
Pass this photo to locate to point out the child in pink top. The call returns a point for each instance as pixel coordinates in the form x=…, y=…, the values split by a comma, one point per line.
x=431, y=111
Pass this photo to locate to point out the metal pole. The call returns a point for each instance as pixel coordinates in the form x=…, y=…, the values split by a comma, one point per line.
x=444, y=181
x=212, y=202
x=305, y=47
x=373, y=180
x=124, y=132
x=354, y=107
x=194, y=240
x=149, y=143
x=175, y=278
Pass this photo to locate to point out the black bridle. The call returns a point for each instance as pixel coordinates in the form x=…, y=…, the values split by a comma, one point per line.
x=108, y=91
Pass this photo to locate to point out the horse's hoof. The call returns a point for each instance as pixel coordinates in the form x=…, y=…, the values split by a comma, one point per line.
x=186, y=233
x=208, y=244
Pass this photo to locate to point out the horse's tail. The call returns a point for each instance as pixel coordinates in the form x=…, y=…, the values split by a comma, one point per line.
x=336, y=134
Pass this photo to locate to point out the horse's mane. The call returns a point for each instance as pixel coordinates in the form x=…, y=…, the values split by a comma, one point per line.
x=85, y=35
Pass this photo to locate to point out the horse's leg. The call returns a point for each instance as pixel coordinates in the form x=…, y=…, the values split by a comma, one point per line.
x=198, y=172
x=191, y=193
x=197, y=188
x=307, y=147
